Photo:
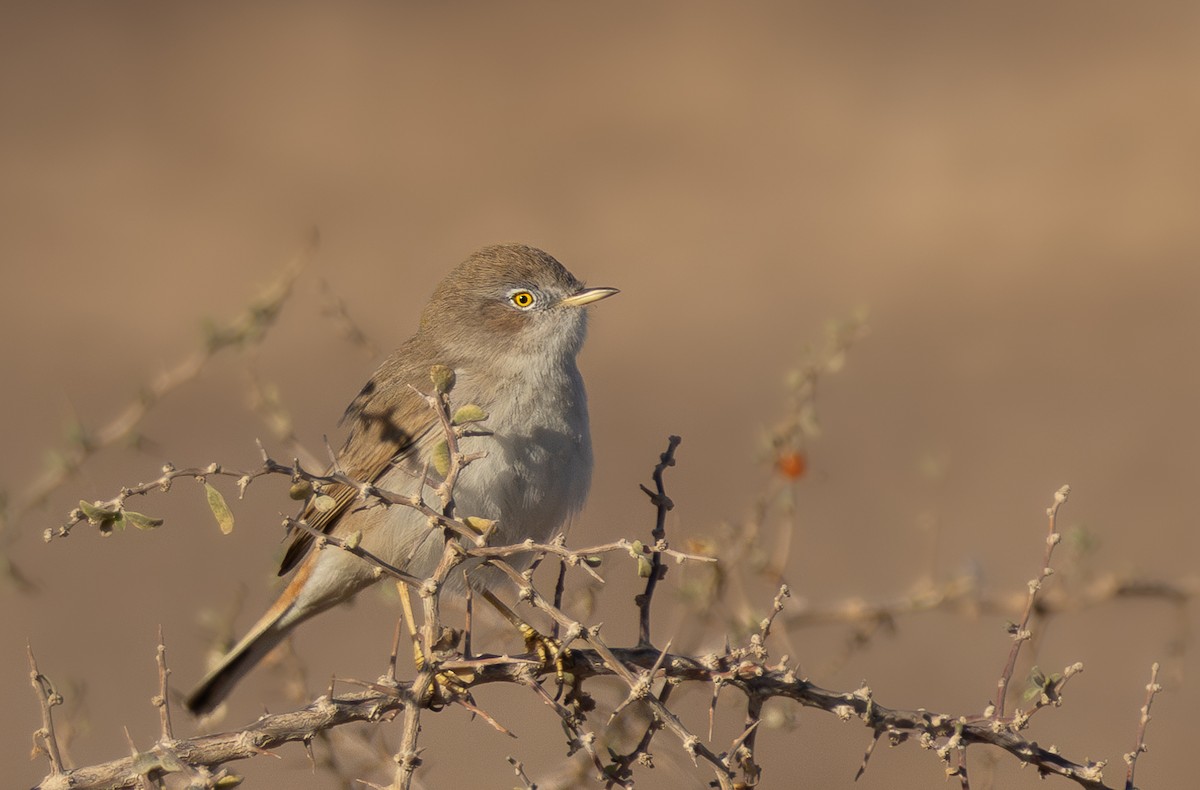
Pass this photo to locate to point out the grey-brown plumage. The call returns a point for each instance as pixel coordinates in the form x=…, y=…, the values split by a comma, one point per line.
x=509, y=322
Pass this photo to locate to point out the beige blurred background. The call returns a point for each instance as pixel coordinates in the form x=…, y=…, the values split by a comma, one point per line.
x=1012, y=189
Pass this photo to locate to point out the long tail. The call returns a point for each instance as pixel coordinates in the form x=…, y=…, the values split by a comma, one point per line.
x=262, y=639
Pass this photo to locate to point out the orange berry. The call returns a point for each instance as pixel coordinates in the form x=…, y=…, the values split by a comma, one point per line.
x=791, y=465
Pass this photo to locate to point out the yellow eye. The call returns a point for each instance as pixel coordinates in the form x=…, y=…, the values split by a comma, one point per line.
x=522, y=299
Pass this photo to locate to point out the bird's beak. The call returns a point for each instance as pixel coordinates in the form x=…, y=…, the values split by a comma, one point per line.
x=587, y=296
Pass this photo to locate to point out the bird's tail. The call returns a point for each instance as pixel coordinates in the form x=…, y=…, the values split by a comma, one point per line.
x=262, y=639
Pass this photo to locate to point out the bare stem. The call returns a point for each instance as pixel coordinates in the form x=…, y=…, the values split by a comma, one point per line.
x=44, y=739
x=1139, y=746
x=161, y=700
x=1021, y=632
x=663, y=505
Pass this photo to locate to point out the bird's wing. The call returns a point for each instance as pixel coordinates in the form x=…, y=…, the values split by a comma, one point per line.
x=388, y=421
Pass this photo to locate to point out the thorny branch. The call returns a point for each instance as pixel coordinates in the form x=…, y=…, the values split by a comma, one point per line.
x=446, y=676
x=109, y=513
x=750, y=677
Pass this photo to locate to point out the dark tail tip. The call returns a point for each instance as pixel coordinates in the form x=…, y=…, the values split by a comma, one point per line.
x=213, y=690
x=202, y=700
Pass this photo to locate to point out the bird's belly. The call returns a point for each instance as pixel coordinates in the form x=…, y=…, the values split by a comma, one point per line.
x=531, y=483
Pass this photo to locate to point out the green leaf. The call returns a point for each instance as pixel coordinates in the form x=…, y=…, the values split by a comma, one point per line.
x=145, y=762
x=300, y=490
x=142, y=521
x=442, y=378
x=440, y=458
x=645, y=568
x=469, y=413
x=481, y=525
x=220, y=510
x=95, y=513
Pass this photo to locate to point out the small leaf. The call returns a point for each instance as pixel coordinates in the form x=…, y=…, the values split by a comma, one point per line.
x=440, y=458
x=300, y=490
x=442, y=378
x=143, y=763
x=324, y=503
x=481, y=525
x=95, y=513
x=644, y=567
x=593, y=560
x=469, y=413
x=220, y=510
x=142, y=521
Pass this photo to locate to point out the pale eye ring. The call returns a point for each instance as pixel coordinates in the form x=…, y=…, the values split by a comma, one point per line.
x=522, y=299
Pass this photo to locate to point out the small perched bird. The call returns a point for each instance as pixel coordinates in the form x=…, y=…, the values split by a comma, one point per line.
x=509, y=321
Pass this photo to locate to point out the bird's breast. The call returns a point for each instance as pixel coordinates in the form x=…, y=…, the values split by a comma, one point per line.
x=536, y=464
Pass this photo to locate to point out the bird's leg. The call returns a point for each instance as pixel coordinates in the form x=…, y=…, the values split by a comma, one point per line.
x=548, y=650
x=446, y=684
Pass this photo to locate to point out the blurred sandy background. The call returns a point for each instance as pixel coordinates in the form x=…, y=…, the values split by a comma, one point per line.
x=1013, y=190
